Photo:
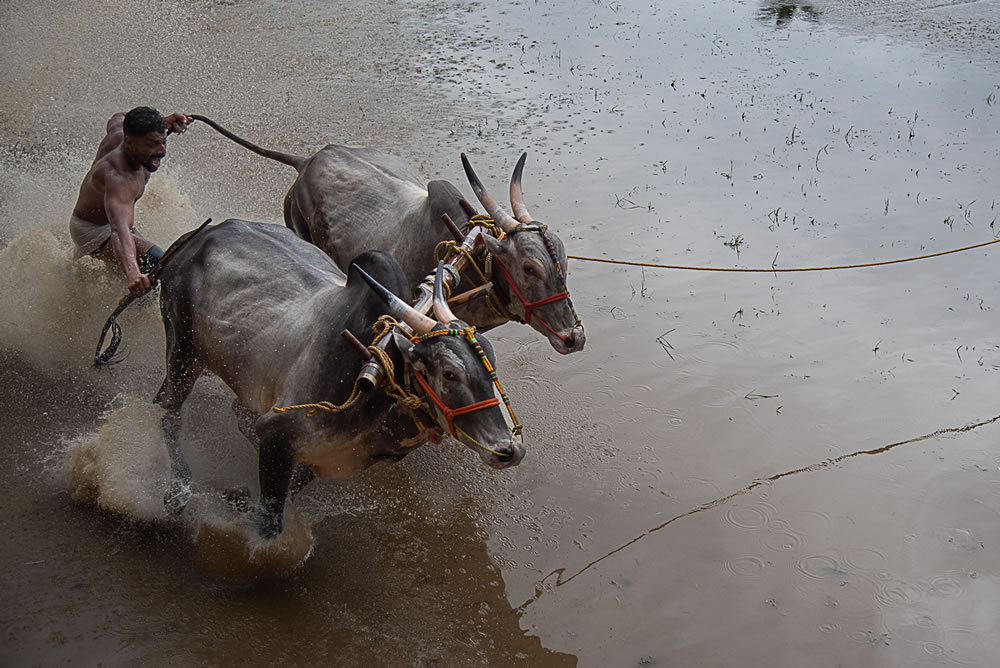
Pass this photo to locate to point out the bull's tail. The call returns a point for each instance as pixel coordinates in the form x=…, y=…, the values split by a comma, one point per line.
x=286, y=158
x=104, y=357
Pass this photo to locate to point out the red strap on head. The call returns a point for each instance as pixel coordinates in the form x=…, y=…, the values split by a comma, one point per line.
x=451, y=413
x=528, y=306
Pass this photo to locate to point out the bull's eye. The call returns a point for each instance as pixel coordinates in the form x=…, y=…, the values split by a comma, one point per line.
x=529, y=270
x=450, y=376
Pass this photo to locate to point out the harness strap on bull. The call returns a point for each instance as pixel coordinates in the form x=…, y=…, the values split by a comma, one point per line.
x=492, y=301
x=451, y=250
x=406, y=398
x=409, y=401
x=487, y=273
x=483, y=220
x=542, y=230
x=469, y=334
x=447, y=249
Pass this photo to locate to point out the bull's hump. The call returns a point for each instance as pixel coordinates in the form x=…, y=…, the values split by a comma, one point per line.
x=366, y=163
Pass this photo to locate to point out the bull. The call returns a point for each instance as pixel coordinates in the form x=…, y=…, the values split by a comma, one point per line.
x=264, y=310
x=346, y=200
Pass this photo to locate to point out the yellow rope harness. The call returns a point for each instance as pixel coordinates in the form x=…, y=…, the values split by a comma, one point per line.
x=447, y=249
x=410, y=402
x=484, y=220
x=777, y=269
x=480, y=445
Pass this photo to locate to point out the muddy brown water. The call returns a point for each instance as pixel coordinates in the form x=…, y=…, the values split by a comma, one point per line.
x=739, y=470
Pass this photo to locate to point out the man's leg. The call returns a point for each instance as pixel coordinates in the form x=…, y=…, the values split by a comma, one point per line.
x=149, y=259
x=106, y=253
x=147, y=254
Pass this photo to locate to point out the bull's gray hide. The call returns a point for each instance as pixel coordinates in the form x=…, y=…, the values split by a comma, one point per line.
x=346, y=200
x=263, y=310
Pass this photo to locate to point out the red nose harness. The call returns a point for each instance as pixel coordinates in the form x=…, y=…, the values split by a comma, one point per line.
x=551, y=299
x=528, y=306
x=451, y=413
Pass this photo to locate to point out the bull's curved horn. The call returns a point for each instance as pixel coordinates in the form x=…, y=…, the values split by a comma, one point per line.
x=506, y=222
x=398, y=309
x=441, y=309
x=516, y=197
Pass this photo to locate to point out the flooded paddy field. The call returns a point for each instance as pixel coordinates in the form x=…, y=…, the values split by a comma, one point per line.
x=740, y=469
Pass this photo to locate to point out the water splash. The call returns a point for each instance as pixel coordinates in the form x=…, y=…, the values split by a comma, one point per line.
x=123, y=468
x=53, y=308
x=228, y=547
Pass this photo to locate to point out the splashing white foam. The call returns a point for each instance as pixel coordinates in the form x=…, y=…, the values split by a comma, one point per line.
x=165, y=212
x=123, y=468
x=53, y=309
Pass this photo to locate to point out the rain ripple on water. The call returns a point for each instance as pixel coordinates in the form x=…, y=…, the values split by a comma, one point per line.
x=748, y=566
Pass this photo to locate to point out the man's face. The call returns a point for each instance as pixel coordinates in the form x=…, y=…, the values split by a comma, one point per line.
x=147, y=150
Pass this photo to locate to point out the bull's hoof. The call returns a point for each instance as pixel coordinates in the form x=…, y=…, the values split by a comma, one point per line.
x=238, y=498
x=176, y=497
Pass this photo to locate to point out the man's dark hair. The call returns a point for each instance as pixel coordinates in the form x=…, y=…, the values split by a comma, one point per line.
x=142, y=120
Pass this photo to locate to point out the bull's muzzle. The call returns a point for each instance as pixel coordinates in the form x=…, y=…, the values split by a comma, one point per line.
x=575, y=340
x=506, y=457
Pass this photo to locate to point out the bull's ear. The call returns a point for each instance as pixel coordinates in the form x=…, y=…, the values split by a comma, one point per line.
x=495, y=246
x=409, y=352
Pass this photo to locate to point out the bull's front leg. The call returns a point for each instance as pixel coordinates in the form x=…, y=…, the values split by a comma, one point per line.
x=276, y=465
x=182, y=372
x=246, y=420
x=178, y=493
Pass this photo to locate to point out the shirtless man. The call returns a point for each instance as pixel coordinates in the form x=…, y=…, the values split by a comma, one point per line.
x=132, y=150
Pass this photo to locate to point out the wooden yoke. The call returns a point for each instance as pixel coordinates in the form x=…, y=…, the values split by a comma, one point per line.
x=470, y=210
x=371, y=373
x=453, y=267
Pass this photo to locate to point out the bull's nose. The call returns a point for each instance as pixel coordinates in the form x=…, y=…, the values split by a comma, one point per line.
x=576, y=339
x=509, y=456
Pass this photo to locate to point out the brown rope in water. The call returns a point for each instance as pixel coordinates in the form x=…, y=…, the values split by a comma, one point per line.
x=778, y=269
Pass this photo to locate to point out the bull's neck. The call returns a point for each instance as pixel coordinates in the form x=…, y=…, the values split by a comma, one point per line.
x=378, y=419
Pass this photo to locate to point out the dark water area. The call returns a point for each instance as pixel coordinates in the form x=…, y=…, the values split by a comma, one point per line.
x=739, y=469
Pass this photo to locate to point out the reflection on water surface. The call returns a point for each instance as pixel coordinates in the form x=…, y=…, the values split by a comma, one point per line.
x=781, y=13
